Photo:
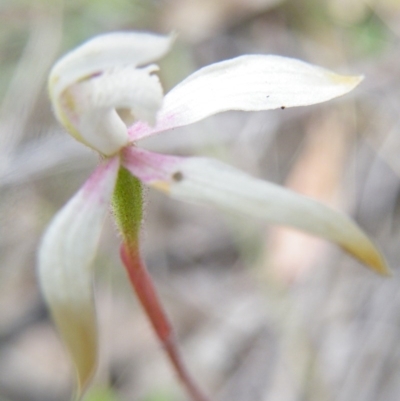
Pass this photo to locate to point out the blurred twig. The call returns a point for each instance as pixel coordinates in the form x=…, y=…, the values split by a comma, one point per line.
x=28, y=79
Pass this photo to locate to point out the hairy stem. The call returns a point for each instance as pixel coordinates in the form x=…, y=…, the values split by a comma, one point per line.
x=146, y=292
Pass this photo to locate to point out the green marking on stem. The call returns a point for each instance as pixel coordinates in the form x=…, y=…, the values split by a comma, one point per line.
x=128, y=205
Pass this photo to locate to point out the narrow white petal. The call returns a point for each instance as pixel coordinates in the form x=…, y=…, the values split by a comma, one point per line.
x=115, y=49
x=211, y=182
x=65, y=274
x=248, y=83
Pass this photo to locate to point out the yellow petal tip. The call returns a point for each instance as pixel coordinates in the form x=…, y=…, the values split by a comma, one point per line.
x=350, y=81
x=372, y=258
x=381, y=267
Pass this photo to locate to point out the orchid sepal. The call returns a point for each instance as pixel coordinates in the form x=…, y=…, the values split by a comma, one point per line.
x=211, y=182
x=65, y=267
x=245, y=83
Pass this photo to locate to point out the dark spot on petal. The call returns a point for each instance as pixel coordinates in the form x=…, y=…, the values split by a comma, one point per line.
x=177, y=176
x=283, y=107
x=95, y=74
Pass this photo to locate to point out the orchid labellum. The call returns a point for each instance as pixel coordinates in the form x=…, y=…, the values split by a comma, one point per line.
x=96, y=91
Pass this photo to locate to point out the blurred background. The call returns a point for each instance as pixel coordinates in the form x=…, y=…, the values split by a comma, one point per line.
x=261, y=313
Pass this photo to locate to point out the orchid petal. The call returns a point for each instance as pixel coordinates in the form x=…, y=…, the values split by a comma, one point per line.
x=111, y=50
x=91, y=107
x=131, y=88
x=66, y=253
x=90, y=84
x=247, y=83
x=214, y=183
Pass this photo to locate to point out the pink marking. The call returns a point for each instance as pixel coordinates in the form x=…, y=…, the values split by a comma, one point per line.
x=97, y=185
x=148, y=166
x=141, y=129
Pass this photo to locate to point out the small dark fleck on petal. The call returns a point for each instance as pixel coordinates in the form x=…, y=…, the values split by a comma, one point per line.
x=283, y=107
x=178, y=176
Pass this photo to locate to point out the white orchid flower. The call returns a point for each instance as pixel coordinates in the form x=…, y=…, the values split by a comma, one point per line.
x=96, y=90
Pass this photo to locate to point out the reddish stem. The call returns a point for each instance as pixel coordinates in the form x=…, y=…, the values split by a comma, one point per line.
x=147, y=294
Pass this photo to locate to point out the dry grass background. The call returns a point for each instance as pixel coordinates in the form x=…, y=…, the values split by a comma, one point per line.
x=261, y=313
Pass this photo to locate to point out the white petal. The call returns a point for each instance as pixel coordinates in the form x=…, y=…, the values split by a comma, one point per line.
x=102, y=130
x=248, y=83
x=89, y=83
x=90, y=106
x=211, y=182
x=66, y=253
x=115, y=49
